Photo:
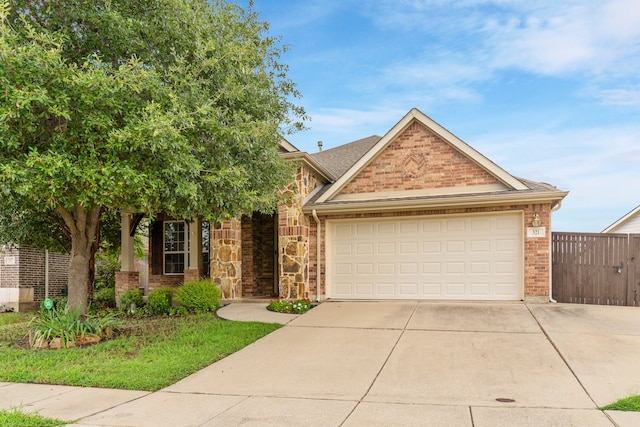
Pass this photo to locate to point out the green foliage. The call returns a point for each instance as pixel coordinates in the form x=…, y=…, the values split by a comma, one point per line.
x=148, y=354
x=198, y=296
x=286, y=306
x=15, y=418
x=67, y=324
x=59, y=303
x=631, y=403
x=159, y=300
x=131, y=297
x=107, y=264
x=162, y=106
x=105, y=297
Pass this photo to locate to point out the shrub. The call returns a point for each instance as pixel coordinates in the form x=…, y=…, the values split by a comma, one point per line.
x=198, y=296
x=67, y=324
x=132, y=296
x=105, y=297
x=159, y=301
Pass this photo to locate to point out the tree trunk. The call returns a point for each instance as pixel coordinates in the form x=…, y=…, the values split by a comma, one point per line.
x=79, y=266
x=83, y=225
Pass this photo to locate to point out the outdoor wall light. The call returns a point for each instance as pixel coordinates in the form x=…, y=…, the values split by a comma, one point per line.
x=618, y=268
x=536, y=220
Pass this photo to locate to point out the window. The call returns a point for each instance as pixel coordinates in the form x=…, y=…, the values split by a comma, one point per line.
x=175, y=247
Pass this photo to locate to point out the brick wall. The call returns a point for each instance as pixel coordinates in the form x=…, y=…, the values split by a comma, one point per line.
x=415, y=160
x=25, y=268
x=258, y=263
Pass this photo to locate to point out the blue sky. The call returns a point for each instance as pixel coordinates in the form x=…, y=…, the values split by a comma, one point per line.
x=547, y=89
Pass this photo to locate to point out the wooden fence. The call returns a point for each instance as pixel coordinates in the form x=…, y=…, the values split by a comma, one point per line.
x=592, y=268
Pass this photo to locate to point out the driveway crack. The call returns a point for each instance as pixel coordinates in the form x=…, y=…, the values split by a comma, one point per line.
x=386, y=360
x=564, y=360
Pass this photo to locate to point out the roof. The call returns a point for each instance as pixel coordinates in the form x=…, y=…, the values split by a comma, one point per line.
x=340, y=159
x=623, y=221
x=346, y=161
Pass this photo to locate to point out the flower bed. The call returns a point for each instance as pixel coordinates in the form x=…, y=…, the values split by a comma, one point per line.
x=290, y=306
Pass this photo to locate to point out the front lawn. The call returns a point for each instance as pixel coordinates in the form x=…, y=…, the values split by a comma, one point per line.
x=150, y=354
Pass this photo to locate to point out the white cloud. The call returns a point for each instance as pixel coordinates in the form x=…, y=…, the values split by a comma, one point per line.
x=594, y=39
x=625, y=97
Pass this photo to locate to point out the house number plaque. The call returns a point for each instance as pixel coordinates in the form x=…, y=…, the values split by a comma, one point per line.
x=536, y=232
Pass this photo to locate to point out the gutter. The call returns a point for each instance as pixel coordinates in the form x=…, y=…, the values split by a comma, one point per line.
x=318, y=262
x=435, y=203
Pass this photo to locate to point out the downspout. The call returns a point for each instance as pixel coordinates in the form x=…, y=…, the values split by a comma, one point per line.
x=318, y=262
x=46, y=274
x=553, y=209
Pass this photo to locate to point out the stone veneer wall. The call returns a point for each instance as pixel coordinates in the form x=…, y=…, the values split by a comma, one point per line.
x=536, y=257
x=226, y=257
x=293, y=237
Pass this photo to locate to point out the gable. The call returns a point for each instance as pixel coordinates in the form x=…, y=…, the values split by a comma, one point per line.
x=465, y=180
x=630, y=223
x=419, y=161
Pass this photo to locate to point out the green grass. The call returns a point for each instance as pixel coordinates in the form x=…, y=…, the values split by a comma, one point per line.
x=631, y=403
x=12, y=318
x=152, y=353
x=15, y=418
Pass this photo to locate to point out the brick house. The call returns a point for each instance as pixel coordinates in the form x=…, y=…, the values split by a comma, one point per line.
x=414, y=214
x=27, y=274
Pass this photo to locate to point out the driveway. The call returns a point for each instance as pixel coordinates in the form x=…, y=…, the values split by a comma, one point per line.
x=414, y=363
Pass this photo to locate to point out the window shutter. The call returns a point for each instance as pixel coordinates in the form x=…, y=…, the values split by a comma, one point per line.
x=157, y=248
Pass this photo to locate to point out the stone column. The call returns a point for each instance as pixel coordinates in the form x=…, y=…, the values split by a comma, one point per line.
x=226, y=258
x=194, y=271
x=293, y=250
x=127, y=278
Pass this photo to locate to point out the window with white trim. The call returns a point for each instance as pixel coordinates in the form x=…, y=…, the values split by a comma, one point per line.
x=175, y=247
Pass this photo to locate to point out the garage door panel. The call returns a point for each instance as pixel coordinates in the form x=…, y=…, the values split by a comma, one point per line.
x=476, y=257
x=430, y=247
x=384, y=248
x=431, y=268
x=365, y=229
x=344, y=269
x=408, y=248
x=384, y=268
x=455, y=246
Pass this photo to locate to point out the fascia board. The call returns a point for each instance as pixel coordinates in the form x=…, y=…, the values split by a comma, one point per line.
x=612, y=228
x=439, y=203
x=310, y=162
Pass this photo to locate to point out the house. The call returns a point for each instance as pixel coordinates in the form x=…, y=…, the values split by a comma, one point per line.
x=630, y=223
x=28, y=276
x=414, y=214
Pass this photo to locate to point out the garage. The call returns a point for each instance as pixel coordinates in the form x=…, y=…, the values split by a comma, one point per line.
x=470, y=257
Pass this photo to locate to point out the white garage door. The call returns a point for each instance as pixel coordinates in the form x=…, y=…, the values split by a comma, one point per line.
x=476, y=257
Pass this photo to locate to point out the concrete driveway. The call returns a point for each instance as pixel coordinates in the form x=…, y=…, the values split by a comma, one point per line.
x=413, y=363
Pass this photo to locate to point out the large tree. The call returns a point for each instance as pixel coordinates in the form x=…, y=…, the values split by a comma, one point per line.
x=171, y=106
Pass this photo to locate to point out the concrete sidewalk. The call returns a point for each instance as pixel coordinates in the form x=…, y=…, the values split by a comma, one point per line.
x=390, y=363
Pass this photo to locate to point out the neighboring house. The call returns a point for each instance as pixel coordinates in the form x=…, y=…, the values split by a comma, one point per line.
x=415, y=214
x=630, y=223
x=28, y=276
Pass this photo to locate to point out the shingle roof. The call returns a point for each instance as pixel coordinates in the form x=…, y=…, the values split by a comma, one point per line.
x=338, y=160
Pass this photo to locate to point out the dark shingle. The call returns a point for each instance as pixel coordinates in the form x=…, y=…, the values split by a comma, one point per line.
x=339, y=159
